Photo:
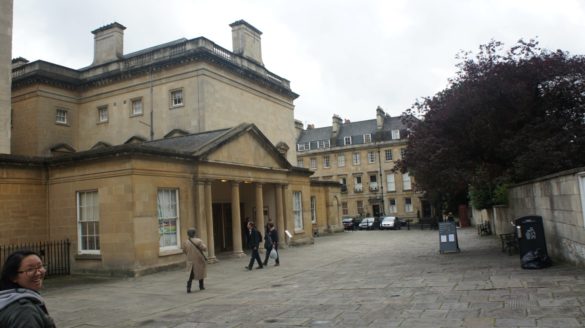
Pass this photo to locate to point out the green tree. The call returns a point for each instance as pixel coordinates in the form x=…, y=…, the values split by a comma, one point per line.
x=507, y=116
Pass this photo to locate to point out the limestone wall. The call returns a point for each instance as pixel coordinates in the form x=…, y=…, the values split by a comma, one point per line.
x=23, y=203
x=5, y=73
x=559, y=200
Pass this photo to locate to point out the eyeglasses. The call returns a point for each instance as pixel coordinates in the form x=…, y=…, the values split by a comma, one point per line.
x=32, y=271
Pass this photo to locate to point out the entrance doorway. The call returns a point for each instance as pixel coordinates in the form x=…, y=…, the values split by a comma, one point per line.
x=376, y=210
x=222, y=227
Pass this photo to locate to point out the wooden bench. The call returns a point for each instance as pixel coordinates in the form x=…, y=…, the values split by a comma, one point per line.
x=431, y=223
x=509, y=242
x=484, y=229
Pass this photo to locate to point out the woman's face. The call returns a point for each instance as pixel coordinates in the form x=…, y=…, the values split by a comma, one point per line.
x=31, y=273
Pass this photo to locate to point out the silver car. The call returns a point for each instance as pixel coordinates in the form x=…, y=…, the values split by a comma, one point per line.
x=390, y=222
x=367, y=224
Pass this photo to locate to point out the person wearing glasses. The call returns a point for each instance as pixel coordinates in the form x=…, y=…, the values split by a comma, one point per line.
x=21, y=305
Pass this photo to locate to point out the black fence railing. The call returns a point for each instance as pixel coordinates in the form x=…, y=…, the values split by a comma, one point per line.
x=54, y=254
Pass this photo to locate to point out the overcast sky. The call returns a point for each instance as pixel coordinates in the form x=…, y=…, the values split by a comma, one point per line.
x=342, y=57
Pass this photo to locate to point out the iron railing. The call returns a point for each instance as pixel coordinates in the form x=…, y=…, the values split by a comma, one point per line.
x=54, y=254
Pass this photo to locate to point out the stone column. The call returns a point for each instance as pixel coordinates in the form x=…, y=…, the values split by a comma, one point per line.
x=236, y=222
x=280, y=214
x=260, y=212
x=287, y=211
x=209, y=216
x=200, y=211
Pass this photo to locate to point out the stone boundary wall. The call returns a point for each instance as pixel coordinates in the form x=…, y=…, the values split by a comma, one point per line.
x=559, y=200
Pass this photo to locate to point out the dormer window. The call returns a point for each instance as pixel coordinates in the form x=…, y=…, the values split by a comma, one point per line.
x=347, y=141
x=395, y=134
x=367, y=138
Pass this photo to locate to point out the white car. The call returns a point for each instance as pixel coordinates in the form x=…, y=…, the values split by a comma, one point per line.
x=367, y=224
x=390, y=222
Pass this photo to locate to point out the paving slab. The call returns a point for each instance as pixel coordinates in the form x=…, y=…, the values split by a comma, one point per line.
x=348, y=279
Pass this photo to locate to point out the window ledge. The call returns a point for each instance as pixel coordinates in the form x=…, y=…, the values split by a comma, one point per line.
x=168, y=252
x=88, y=257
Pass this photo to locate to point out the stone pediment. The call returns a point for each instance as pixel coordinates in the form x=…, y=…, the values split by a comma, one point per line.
x=244, y=145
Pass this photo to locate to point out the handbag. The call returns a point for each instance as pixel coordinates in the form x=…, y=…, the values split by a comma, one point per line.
x=273, y=254
x=199, y=249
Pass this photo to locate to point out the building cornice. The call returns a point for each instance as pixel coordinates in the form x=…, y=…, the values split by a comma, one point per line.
x=144, y=62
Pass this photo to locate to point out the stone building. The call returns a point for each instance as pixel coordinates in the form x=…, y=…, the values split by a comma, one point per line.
x=5, y=77
x=122, y=156
x=361, y=156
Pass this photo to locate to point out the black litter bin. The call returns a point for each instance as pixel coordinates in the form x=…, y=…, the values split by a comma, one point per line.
x=531, y=242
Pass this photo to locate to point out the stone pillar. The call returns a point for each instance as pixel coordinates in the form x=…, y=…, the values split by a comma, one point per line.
x=209, y=216
x=200, y=211
x=260, y=212
x=279, y=214
x=287, y=211
x=236, y=222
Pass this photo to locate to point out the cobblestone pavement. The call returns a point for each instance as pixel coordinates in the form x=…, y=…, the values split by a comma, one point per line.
x=350, y=279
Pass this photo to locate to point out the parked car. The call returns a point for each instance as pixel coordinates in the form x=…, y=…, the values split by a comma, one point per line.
x=350, y=223
x=390, y=222
x=369, y=223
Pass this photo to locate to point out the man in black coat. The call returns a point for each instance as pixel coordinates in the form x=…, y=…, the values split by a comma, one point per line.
x=253, y=241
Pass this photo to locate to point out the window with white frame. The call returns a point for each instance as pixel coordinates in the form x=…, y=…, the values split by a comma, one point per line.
x=88, y=222
x=168, y=218
x=327, y=143
x=176, y=98
x=343, y=182
x=326, y=162
x=371, y=157
x=347, y=141
x=357, y=180
x=390, y=183
x=406, y=185
x=360, y=207
x=301, y=147
x=341, y=160
x=388, y=154
x=313, y=209
x=373, y=182
x=300, y=162
x=367, y=138
x=298, y=210
x=392, y=205
x=313, y=162
x=395, y=134
x=136, y=107
x=344, y=209
x=356, y=158
x=61, y=116
x=407, y=205
x=103, y=114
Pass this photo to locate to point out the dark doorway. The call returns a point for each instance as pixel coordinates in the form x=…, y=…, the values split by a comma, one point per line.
x=376, y=210
x=426, y=209
x=222, y=227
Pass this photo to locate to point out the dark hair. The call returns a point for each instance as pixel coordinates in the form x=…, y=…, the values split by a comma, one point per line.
x=270, y=225
x=11, y=266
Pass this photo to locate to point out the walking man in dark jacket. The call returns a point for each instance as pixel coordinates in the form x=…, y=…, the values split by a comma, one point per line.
x=253, y=241
x=271, y=242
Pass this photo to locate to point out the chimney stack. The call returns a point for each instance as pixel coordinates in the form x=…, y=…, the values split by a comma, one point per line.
x=108, y=43
x=335, y=125
x=380, y=118
x=246, y=41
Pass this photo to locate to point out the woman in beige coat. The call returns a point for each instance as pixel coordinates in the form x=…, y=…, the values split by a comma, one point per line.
x=196, y=260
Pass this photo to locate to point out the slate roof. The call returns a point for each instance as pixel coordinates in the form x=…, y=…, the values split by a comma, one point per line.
x=356, y=130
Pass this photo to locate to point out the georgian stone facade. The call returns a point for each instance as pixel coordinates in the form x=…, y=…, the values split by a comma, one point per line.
x=123, y=156
x=360, y=156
